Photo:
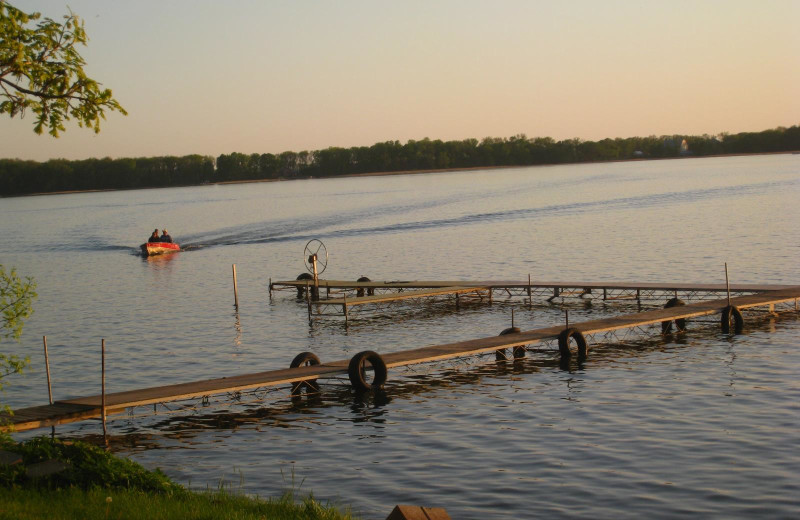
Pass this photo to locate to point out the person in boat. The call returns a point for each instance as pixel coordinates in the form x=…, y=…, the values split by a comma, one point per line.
x=165, y=237
x=154, y=236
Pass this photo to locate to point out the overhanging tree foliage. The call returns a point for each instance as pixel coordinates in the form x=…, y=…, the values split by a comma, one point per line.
x=16, y=305
x=42, y=71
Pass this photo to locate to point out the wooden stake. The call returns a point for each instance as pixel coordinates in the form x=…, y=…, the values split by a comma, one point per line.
x=47, y=368
x=235, y=288
x=270, y=287
x=49, y=386
x=103, y=388
x=727, y=284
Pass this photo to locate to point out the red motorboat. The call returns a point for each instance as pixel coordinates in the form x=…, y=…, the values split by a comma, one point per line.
x=157, y=248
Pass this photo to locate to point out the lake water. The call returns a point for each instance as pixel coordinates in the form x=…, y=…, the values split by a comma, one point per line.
x=696, y=424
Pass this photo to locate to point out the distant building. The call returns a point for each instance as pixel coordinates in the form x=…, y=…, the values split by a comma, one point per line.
x=685, y=148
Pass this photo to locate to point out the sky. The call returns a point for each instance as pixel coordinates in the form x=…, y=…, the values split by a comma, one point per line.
x=258, y=76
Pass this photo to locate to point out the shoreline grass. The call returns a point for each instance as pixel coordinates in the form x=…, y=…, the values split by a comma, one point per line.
x=131, y=504
x=98, y=484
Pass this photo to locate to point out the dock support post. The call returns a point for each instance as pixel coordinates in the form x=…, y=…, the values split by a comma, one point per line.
x=308, y=302
x=530, y=296
x=605, y=294
x=344, y=309
x=235, y=288
x=457, y=302
x=490, y=295
x=638, y=296
x=316, y=276
x=270, y=288
x=512, y=318
x=566, y=318
x=103, y=388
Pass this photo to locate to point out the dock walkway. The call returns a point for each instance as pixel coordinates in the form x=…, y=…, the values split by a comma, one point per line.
x=340, y=297
x=72, y=410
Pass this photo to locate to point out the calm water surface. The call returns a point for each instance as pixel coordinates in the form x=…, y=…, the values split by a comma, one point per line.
x=697, y=424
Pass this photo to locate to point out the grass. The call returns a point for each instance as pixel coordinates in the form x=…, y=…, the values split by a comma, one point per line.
x=99, y=485
x=99, y=503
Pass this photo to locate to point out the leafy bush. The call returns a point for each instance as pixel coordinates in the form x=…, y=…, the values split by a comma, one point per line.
x=89, y=466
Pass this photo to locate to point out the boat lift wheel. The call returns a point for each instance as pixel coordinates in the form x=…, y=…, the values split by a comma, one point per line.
x=304, y=359
x=315, y=251
x=356, y=370
x=731, y=311
x=564, y=341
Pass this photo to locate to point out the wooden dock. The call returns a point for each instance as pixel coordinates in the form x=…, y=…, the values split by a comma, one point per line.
x=343, y=306
x=72, y=410
x=330, y=298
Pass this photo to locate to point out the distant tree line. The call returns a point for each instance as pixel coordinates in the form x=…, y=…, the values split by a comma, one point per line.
x=19, y=177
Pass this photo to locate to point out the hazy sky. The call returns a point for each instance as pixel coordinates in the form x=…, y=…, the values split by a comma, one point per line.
x=211, y=77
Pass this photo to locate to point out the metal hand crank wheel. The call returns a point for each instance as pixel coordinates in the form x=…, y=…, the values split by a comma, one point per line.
x=315, y=248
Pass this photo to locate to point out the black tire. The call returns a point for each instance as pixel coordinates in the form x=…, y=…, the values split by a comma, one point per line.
x=370, y=291
x=301, y=290
x=304, y=359
x=680, y=324
x=738, y=320
x=518, y=352
x=355, y=371
x=564, y=340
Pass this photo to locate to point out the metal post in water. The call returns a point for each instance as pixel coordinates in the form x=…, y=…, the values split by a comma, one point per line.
x=727, y=284
x=49, y=386
x=530, y=298
x=566, y=317
x=103, y=387
x=47, y=368
x=235, y=288
x=316, y=276
x=308, y=301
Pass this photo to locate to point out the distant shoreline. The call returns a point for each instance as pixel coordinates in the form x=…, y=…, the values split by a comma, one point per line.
x=409, y=172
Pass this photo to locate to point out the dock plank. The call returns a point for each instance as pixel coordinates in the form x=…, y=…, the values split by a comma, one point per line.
x=538, y=284
x=405, y=295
